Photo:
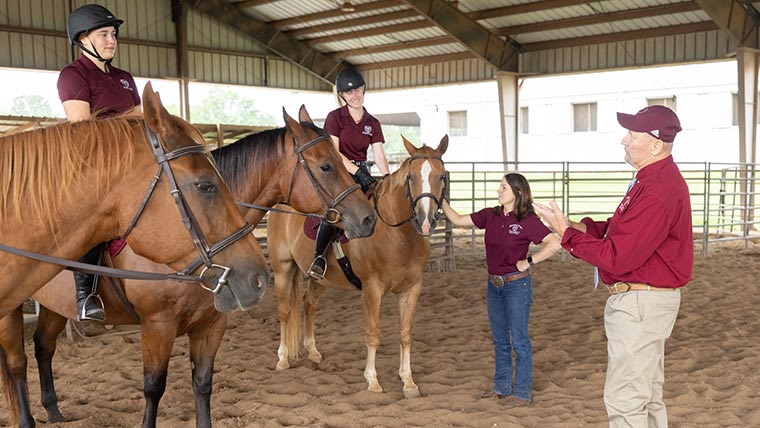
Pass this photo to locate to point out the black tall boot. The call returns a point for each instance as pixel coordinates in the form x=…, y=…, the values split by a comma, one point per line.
x=325, y=235
x=89, y=305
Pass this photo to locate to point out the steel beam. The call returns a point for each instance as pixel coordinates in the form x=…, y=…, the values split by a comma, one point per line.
x=734, y=20
x=289, y=48
x=478, y=39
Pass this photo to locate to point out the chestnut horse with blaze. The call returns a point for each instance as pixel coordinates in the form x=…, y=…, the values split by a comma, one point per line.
x=296, y=164
x=391, y=260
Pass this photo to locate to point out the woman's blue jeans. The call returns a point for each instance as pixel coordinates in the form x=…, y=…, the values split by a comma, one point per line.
x=509, y=312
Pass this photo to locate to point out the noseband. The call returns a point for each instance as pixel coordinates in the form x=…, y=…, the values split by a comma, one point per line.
x=205, y=251
x=414, y=199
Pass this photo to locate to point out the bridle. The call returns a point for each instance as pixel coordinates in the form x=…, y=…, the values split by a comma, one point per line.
x=205, y=251
x=414, y=199
x=331, y=214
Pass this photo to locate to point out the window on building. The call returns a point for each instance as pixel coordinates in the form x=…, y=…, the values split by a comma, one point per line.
x=584, y=117
x=524, y=120
x=458, y=123
x=667, y=102
x=735, y=113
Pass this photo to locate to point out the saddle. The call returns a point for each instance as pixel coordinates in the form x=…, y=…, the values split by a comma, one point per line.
x=311, y=225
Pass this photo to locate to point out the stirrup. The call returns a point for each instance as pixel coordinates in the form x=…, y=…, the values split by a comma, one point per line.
x=96, y=314
x=317, y=271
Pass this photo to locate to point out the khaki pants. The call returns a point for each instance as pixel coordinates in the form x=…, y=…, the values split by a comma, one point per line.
x=637, y=324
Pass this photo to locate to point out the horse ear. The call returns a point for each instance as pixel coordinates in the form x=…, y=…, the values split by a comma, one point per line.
x=410, y=148
x=290, y=123
x=155, y=114
x=443, y=145
x=303, y=115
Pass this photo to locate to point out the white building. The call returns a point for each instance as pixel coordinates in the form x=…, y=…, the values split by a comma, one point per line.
x=573, y=117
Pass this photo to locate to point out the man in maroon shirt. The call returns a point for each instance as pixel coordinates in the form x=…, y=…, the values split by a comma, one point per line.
x=645, y=251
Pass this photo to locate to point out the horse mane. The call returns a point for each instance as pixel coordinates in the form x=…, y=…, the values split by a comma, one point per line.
x=40, y=168
x=240, y=163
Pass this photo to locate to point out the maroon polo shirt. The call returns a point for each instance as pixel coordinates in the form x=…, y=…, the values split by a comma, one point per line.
x=649, y=238
x=108, y=93
x=354, y=138
x=507, y=240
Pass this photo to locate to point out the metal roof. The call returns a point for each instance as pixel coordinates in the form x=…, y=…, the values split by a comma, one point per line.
x=386, y=34
x=302, y=44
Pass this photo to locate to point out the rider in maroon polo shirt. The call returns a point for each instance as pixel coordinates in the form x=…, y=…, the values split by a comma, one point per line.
x=645, y=251
x=353, y=131
x=92, y=87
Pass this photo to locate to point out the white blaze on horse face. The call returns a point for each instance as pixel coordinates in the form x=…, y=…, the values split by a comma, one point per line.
x=425, y=174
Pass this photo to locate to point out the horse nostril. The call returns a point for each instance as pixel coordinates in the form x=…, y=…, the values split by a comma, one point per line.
x=369, y=220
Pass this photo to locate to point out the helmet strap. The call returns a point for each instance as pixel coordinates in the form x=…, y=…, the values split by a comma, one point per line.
x=94, y=52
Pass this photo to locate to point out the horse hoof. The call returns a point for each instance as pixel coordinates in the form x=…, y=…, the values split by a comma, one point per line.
x=315, y=357
x=375, y=388
x=282, y=365
x=412, y=393
x=55, y=416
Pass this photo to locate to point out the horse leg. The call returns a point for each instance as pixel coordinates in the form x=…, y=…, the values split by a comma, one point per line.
x=311, y=301
x=288, y=290
x=203, y=348
x=49, y=326
x=157, y=342
x=371, y=304
x=406, y=304
x=13, y=368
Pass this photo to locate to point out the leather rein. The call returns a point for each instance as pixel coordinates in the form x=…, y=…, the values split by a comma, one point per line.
x=205, y=251
x=331, y=213
x=413, y=200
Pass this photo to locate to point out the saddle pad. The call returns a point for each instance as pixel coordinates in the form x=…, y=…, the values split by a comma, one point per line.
x=311, y=225
x=115, y=247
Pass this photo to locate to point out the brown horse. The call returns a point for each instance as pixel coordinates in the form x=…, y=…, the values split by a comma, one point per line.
x=66, y=188
x=297, y=163
x=392, y=259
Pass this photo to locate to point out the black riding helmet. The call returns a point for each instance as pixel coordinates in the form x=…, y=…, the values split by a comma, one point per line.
x=348, y=79
x=87, y=18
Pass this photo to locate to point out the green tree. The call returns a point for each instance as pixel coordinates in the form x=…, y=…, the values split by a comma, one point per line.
x=228, y=107
x=31, y=105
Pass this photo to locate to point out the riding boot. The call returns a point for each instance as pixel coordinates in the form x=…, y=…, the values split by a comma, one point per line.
x=345, y=266
x=325, y=235
x=89, y=304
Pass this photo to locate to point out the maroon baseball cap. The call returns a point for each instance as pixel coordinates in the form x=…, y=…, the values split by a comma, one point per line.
x=657, y=121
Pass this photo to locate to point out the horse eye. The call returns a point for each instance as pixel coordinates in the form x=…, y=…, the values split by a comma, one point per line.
x=206, y=187
x=326, y=167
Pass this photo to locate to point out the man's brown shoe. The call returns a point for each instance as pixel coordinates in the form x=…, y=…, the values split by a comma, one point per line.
x=512, y=402
x=492, y=394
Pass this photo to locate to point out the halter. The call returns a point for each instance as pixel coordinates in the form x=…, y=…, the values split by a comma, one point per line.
x=413, y=200
x=331, y=214
x=191, y=224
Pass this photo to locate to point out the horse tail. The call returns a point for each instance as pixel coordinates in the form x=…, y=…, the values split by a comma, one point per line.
x=11, y=395
x=293, y=330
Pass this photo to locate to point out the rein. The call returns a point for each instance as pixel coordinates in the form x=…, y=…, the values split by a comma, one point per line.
x=331, y=214
x=412, y=200
x=191, y=224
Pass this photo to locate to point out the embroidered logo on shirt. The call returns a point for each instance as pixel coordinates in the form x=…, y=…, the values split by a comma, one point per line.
x=515, y=229
x=623, y=205
x=367, y=130
x=125, y=84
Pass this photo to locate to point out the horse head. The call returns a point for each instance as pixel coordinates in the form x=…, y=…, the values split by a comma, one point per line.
x=320, y=183
x=424, y=176
x=190, y=196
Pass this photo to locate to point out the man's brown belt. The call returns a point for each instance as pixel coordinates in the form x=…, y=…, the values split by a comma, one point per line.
x=500, y=280
x=624, y=287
